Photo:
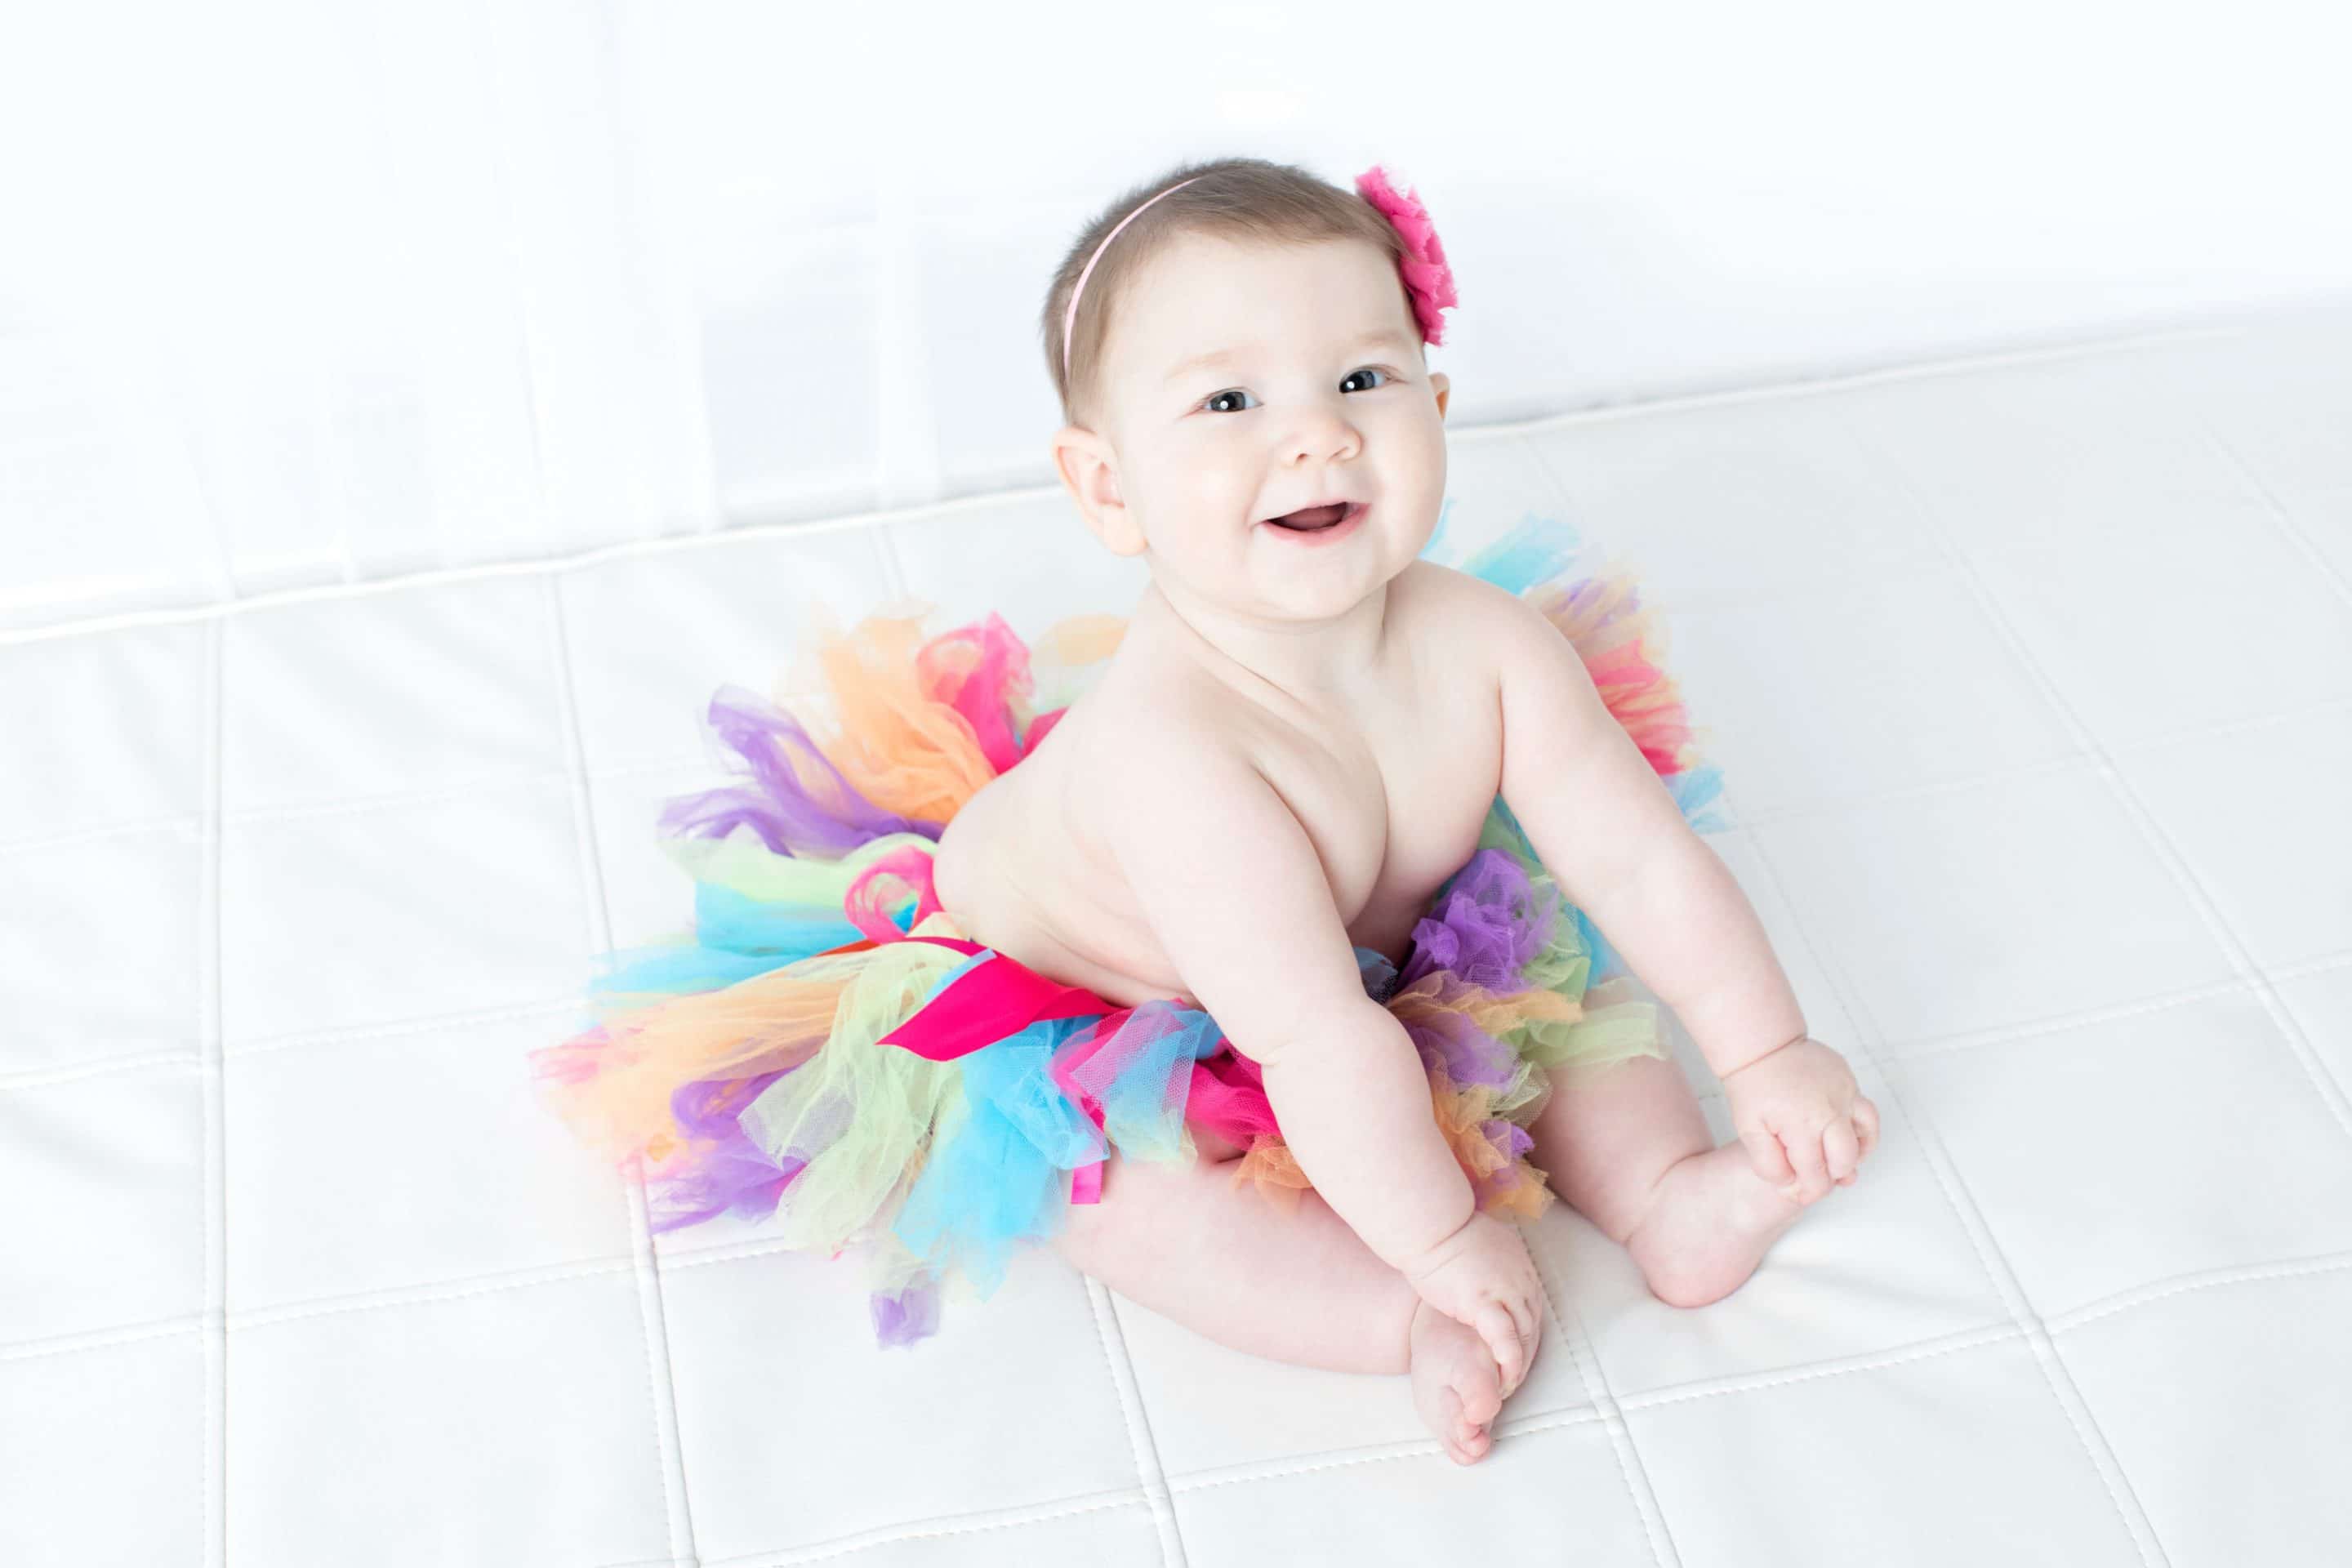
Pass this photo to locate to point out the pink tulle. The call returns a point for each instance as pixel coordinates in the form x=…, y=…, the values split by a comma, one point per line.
x=982, y=671
x=1427, y=278
x=866, y=904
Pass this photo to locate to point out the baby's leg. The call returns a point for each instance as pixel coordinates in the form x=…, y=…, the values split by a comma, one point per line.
x=1291, y=1283
x=1627, y=1147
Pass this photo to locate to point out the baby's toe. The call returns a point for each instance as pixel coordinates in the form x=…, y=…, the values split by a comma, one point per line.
x=1481, y=1391
x=1456, y=1432
x=1471, y=1449
x=1479, y=1399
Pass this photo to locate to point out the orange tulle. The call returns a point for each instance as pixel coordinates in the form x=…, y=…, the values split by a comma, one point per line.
x=614, y=1082
x=901, y=740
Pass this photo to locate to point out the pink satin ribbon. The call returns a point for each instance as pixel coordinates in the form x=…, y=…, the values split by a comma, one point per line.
x=1002, y=997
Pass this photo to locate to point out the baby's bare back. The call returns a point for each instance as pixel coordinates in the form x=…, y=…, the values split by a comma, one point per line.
x=1391, y=778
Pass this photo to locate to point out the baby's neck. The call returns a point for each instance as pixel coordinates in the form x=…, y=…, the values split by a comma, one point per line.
x=1308, y=660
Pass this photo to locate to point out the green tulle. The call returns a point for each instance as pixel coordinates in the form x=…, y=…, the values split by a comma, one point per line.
x=1611, y=1033
x=861, y=1114
x=744, y=865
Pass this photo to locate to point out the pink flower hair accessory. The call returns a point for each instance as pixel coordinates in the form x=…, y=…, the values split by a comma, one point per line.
x=1427, y=278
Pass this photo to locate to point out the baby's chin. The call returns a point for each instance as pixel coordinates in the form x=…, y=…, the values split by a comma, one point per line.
x=1287, y=591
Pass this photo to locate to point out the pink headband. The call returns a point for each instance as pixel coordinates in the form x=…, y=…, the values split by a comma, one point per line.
x=1427, y=278
x=1070, y=316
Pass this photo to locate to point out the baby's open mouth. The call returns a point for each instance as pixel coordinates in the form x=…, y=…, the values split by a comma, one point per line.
x=1314, y=518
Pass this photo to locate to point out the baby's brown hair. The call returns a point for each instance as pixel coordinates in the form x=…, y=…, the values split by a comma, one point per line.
x=1249, y=200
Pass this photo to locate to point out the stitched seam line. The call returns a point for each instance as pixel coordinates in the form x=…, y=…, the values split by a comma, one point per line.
x=193, y=1058
x=2121, y=1494
x=1971, y=1221
x=652, y=1317
x=1121, y=1367
x=2038, y=1028
x=2281, y=513
x=1939, y=1160
x=215, y=1084
x=2219, y=1277
x=1973, y=1339
x=1426, y=1448
x=890, y=1536
x=1612, y=1422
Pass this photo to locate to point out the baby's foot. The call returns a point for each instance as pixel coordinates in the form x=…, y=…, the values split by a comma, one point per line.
x=1456, y=1385
x=1710, y=1223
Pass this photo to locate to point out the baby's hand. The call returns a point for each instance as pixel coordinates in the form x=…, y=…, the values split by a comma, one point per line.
x=1482, y=1276
x=1804, y=1121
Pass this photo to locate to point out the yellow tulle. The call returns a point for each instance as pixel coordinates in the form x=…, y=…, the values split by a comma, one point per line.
x=777, y=1020
x=863, y=1116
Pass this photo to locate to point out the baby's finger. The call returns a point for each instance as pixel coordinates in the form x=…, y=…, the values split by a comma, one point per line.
x=1502, y=1336
x=1840, y=1150
x=1865, y=1122
x=1526, y=1315
x=1812, y=1169
x=1530, y=1340
x=1763, y=1146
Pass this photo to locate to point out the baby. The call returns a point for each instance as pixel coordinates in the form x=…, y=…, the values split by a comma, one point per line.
x=1295, y=745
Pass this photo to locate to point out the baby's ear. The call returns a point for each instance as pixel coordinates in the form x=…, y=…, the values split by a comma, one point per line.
x=1090, y=471
x=1442, y=385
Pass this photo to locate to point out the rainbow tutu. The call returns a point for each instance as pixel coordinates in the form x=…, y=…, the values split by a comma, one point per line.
x=827, y=1055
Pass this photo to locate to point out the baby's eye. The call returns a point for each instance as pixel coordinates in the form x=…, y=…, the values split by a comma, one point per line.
x=1210, y=402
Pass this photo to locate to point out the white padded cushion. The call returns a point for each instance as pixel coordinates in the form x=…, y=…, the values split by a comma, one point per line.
x=2032, y=683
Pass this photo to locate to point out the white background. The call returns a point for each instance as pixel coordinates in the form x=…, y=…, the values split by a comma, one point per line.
x=293, y=294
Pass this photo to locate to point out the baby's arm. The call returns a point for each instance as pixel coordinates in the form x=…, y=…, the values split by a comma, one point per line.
x=1237, y=897
x=1605, y=826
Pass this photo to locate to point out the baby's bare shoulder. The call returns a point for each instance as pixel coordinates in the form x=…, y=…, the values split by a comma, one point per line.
x=1446, y=592
x=1468, y=617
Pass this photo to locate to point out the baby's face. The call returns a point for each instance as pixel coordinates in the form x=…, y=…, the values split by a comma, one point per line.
x=1243, y=383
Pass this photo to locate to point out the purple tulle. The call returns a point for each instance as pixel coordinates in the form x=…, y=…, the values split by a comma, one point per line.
x=1486, y=927
x=736, y=1175
x=1510, y=1139
x=1468, y=1054
x=788, y=817
x=910, y=1315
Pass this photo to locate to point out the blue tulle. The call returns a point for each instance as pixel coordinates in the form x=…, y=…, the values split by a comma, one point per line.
x=1698, y=792
x=1538, y=550
x=682, y=970
x=735, y=938
x=726, y=918
x=1000, y=1176
x=1136, y=1111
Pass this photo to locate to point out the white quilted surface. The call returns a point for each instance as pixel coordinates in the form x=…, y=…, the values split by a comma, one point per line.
x=2031, y=682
